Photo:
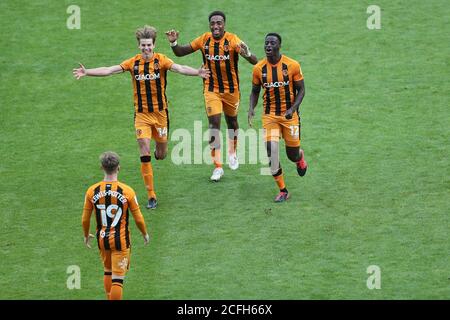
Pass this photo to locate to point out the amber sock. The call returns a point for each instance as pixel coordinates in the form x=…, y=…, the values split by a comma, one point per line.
x=107, y=284
x=147, y=175
x=116, y=289
x=279, y=179
x=215, y=155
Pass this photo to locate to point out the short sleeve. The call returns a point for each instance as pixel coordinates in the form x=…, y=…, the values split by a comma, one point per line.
x=197, y=43
x=297, y=74
x=256, y=76
x=127, y=65
x=166, y=62
x=237, y=41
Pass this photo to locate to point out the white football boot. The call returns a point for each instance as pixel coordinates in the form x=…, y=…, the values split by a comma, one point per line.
x=233, y=161
x=217, y=174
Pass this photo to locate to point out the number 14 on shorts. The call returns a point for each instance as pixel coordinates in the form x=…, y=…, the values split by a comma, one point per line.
x=162, y=132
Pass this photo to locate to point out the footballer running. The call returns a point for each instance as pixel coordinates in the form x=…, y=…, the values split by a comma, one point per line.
x=284, y=90
x=148, y=71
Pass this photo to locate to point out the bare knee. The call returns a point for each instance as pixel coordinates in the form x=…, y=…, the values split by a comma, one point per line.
x=214, y=131
x=293, y=153
x=161, y=151
x=232, y=122
x=144, y=147
x=214, y=122
x=161, y=155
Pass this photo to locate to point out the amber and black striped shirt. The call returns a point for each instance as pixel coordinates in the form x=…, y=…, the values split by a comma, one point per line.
x=221, y=57
x=112, y=202
x=149, y=81
x=278, y=83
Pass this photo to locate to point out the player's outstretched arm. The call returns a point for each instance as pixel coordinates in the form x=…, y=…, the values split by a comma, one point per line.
x=179, y=50
x=254, y=96
x=244, y=51
x=96, y=72
x=189, y=71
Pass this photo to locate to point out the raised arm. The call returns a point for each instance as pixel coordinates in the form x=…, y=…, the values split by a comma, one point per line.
x=189, y=71
x=254, y=96
x=178, y=50
x=245, y=52
x=96, y=72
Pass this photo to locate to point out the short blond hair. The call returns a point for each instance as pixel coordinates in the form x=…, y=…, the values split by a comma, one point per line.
x=110, y=161
x=146, y=32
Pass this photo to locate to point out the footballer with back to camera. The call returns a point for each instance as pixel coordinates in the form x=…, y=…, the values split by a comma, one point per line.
x=112, y=202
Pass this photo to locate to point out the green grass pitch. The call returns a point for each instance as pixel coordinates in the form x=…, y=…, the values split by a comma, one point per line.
x=375, y=129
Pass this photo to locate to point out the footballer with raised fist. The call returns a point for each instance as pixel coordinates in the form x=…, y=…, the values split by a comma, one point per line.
x=220, y=51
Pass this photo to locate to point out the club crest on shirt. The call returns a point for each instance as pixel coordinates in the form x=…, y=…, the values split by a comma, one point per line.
x=138, y=132
x=226, y=47
x=285, y=72
x=156, y=66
